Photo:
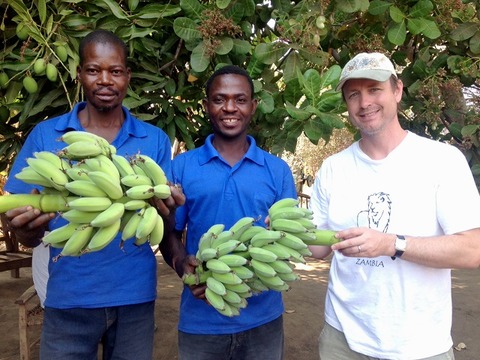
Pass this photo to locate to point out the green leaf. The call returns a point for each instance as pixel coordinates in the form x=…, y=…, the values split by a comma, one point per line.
x=42, y=10
x=157, y=11
x=423, y=8
x=396, y=14
x=331, y=76
x=397, y=34
x=226, y=45
x=296, y=113
x=329, y=101
x=416, y=26
x=464, y=31
x=268, y=53
x=378, y=7
x=292, y=64
x=476, y=170
x=474, y=43
x=469, y=130
x=266, y=104
x=431, y=29
x=311, y=85
x=241, y=47
x=114, y=8
x=186, y=29
x=192, y=8
x=349, y=6
x=200, y=58
x=222, y=4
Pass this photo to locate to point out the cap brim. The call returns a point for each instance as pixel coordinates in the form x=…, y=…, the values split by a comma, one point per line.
x=371, y=74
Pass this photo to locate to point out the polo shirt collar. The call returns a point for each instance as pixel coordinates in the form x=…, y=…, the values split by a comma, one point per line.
x=71, y=122
x=253, y=153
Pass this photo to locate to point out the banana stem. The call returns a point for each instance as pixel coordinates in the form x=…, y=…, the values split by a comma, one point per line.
x=43, y=202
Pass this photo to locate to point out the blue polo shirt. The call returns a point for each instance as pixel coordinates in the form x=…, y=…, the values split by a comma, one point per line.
x=217, y=193
x=112, y=276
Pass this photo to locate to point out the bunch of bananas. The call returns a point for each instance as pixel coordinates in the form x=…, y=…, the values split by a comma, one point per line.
x=246, y=259
x=98, y=192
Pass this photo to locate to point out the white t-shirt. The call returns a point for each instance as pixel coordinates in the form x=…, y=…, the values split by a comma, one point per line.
x=394, y=309
x=40, y=259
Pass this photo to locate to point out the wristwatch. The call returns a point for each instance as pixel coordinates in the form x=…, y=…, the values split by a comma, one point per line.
x=400, y=246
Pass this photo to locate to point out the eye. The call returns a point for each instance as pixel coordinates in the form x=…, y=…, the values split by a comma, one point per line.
x=218, y=100
x=241, y=100
x=352, y=95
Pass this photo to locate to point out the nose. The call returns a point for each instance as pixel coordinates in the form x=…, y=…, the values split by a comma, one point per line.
x=230, y=105
x=105, y=77
x=365, y=100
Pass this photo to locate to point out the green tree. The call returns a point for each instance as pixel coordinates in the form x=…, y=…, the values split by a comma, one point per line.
x=294, y=50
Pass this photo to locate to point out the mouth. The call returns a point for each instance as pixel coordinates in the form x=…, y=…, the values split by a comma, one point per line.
x=230, y=121
x=105, y=95
x=369, y=113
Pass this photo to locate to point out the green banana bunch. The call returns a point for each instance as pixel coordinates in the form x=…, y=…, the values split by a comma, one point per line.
x=97, y=191
x=246, y=259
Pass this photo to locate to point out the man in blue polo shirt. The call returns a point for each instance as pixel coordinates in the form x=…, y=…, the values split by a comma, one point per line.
x=227, y=178
x=107, y=294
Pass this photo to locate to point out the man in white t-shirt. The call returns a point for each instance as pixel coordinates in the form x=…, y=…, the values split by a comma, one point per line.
x=406, y=211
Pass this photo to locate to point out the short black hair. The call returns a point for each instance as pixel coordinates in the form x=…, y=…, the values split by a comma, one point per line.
x=228, y=69
x=103, y=37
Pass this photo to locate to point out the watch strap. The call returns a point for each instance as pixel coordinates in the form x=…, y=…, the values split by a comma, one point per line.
x=398, y=253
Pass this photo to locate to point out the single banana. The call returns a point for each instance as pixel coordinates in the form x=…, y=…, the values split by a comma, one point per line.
x=103, y=236
x=156, y=236
x=241, y=226
x=288, y=277
x=104, y=164
x=71, y=137
x=287, y=213
x=108, y=216
x=229, y=310
x=309, y=235
x=90, y=203
x=256, y=285
x=135, y=204
x=305, y=252
x=77, y=173
x=280, y=251
x=323, y=237
x=307, y=223
x=239, y=288
x=57, y=176
x=130, y=227
x=84, y=188
x=271, y=281
x=232, y=259
x=226, y=247
x=61, y=234
x=78, y=216
x=243, y=272
x=217, y=266
x=138, y=170
x=288, y=225
x=262, y=268
x=79, y=239
x=81, y=150
x=282, y=267
x=123, y=165
x=135, y=179
x=151, y=168
x=147, y=223
x=30, y=176
x=216, y=229
x=295, y=256
x=292, y=241
x=250, y=232
x=52, y=158
x=216, y=286
x=227, y=278
x=261, y=254
x=232, y=297
x=214, y=299
x=162, y=191
x=140, y=192
x=286, y=202
x=221, y=238
x=107, y=183
x=265, y=237
x=207, y=254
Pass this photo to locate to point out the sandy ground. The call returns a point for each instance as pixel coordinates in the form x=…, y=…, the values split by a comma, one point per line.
x=303, y=317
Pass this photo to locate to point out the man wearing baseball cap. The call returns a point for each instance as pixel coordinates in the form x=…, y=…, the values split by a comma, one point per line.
x=405, y=209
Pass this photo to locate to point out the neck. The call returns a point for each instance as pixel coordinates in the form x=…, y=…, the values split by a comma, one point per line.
x=232, y=150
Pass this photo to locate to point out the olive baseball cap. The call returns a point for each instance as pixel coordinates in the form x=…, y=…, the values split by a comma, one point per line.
x=374, y=66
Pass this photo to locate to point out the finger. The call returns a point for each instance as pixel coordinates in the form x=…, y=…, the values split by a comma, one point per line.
x=177, y=195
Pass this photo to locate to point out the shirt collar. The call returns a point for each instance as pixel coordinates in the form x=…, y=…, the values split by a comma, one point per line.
x=253, y=153
x=71, y=122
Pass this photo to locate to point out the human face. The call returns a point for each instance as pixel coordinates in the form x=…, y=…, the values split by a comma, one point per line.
x=230, y=105
x=372, y=105
x=104, y=76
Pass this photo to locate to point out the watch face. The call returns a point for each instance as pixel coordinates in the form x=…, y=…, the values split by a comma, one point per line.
x=400, y=244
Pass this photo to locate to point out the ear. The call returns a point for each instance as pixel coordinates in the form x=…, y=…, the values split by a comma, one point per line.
x=254, y=105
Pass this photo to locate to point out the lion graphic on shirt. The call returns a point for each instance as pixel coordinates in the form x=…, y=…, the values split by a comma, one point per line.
x=377, y=215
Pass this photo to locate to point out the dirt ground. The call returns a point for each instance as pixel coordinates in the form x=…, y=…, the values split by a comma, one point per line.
x=303, y=318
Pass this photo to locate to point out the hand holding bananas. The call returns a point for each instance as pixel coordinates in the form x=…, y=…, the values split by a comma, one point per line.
x=97, y=191
x=245, y=259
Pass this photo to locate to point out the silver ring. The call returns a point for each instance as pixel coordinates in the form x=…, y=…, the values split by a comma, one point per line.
x=359, y=249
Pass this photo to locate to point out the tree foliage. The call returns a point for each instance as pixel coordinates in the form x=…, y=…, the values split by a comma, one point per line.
x=294, y=51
